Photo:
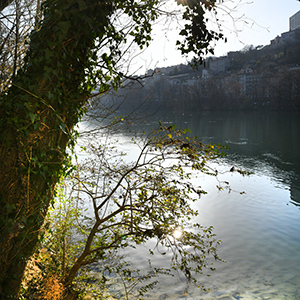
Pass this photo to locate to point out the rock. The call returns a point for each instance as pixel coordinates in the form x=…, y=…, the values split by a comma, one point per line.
x=237, y=295
x=163, y=297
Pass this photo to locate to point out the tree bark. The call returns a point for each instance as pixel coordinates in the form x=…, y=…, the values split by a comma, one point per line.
x=36, y=118
x=4, y=4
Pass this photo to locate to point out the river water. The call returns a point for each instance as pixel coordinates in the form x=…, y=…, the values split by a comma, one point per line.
x=259, y=229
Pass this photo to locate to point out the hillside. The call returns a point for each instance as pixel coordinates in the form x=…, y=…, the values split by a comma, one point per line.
x=262, y=77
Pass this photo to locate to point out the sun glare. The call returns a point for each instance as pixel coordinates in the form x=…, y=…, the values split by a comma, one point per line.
x=177, y=233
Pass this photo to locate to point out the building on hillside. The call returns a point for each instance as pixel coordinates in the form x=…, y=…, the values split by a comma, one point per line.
x=233, y=54
x=218, y=64
x=250, y=84
x=295, y=21
x=205, y=74
x=287, y=38
x=181, y=77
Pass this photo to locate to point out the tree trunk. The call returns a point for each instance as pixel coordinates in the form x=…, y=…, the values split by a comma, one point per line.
x=36, y=118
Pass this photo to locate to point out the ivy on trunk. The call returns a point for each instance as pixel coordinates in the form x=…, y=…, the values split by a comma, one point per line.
x=74, y=47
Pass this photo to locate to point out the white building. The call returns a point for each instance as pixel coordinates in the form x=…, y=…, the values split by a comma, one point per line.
x=295, y=21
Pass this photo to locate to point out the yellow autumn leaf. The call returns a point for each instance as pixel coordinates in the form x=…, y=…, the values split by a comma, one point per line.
x=170, y=135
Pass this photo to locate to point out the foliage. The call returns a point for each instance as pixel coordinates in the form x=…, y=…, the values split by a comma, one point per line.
x=115, y=204
x=73, y=46
x=197, y=36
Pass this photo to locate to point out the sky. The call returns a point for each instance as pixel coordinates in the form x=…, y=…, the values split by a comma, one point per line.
x=257, y=22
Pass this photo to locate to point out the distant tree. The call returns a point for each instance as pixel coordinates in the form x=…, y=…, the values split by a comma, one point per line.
x=287, y=95
x=248, y=48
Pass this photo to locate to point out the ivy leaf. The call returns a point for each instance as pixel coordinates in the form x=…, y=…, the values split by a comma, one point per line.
x=32, y=117
x=62, y=126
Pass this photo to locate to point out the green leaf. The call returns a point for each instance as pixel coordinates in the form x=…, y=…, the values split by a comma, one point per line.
x=62, y=126
x=32, y=117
